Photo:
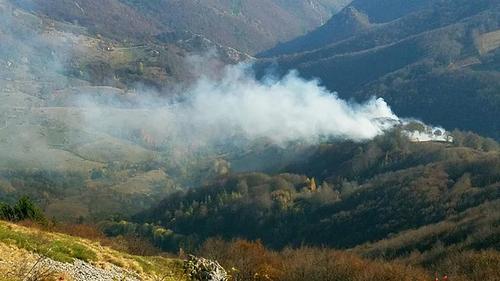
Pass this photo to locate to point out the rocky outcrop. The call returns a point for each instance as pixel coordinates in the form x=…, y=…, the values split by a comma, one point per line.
x=83, y=271
x=201, y=269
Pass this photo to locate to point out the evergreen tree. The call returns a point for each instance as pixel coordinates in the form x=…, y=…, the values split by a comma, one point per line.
x=24, y=209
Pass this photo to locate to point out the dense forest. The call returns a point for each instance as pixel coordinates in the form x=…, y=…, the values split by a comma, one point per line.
x=368, y=192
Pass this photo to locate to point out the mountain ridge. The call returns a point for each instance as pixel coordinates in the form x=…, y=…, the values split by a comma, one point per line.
x=439, y=41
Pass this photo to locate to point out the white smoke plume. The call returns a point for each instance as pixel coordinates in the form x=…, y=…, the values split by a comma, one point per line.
x=65, y=119
x=236, y=105
x=288, y=110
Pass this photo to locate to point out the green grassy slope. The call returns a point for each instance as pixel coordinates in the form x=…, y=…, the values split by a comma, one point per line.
x=20, y=245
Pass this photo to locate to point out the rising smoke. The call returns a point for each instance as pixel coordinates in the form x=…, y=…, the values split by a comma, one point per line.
x=234, y=106
x=223, y=107
x=282, y=111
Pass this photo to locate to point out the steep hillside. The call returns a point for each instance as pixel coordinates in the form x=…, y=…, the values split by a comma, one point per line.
x=33, y=254
x=478, y=224
x=425, y=204
x=357, y=17
x=344, y=195
x=435, y=63
x=249, y=26
x=110, y=17
x=343, y=25
x=409, y=208
x=52, y=144
x=40, y=255
x=387, y=10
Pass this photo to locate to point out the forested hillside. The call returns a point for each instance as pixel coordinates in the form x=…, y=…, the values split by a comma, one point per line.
x=434, y=60
x=358, y=16
x=344, y=195
x=248, y=26
x=428, y=205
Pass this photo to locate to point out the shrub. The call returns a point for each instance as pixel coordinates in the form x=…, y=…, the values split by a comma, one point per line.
x=251, y=261
x=24, y=209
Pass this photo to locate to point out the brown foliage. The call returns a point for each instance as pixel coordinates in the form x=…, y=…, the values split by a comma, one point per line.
x=243, y=259
x=86, y=231
x=472, y=265
x=131, y=244
x=251, y=261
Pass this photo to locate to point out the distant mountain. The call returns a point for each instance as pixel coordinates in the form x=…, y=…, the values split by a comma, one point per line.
x=341, y=26
x=358, y=16
x=249, y=26
x=437, y=61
